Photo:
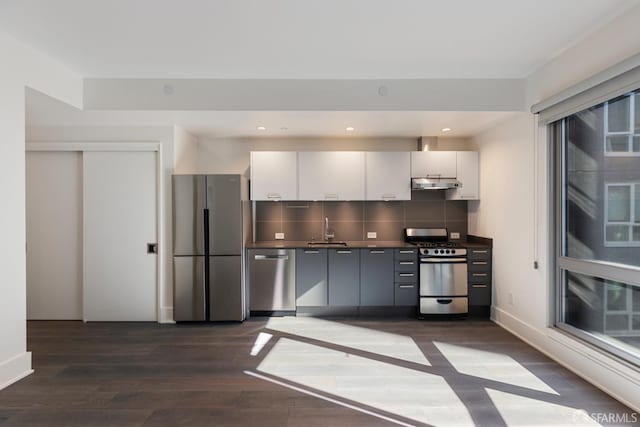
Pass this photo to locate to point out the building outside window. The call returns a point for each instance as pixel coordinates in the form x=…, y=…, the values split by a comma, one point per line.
x=622, y=214
x=622, y=125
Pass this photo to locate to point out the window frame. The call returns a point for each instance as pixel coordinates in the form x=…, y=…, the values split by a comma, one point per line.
x=608, y=271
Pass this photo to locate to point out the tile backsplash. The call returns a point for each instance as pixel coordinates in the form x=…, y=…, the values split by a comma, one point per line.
x=353, y=220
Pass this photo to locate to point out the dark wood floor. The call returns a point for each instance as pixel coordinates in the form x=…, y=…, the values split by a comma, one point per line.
x=132, y=374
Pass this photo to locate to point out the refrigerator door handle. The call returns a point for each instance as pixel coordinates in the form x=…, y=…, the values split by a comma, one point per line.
x=207, y=309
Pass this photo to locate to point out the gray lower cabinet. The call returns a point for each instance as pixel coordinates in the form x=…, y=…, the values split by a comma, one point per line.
x=311, y=278
x=406, y=277
x=479, y=280
x=376, y=277
x=344, y=277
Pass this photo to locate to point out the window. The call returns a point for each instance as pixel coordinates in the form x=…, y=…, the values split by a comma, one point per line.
x=622, y=126
x=622, y=214
x=597, y=231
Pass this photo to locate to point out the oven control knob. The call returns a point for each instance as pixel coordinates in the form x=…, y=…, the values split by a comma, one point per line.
x=447, y=251
x=441, y=251
x=453, y=251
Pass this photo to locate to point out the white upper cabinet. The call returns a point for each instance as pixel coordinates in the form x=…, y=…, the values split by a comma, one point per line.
x=388, y=175
x=331, y=175
x=468, y=175
x=274, y=175
x=433, y=163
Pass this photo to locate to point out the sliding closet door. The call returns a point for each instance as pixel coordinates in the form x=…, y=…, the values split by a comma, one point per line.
x=54, y=235
x=119, y=222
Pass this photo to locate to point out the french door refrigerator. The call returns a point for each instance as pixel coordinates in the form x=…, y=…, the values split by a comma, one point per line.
x=210, y=225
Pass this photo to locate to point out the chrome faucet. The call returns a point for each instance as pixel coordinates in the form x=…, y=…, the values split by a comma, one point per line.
x=327, y=235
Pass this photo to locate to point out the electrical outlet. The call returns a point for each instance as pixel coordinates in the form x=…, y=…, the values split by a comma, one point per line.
x=279, y=236
x=372, y=235
x=454, y=235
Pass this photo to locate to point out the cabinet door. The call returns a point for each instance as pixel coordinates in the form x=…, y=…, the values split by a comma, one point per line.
x=388, y=175
x=376, y=277
x=331, y=175
x=344, y=277
x=468, y=175
x=433, y=163
x=311, y=277
x=274, y=175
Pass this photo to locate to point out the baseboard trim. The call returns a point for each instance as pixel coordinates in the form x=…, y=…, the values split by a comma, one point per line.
x=166, y=315
x=574, y=348
x=15, y=369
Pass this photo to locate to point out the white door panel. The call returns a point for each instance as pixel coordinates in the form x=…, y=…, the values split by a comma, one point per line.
x=54, y=235
x=119, y=220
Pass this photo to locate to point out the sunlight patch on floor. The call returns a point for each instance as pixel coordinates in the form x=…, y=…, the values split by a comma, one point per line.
x=491, y=366
x=386, y=387
x=262, y=340
x=381, y=343
x=526, y=412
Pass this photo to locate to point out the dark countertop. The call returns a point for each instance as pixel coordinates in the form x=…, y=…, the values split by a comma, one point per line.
x=304, y=244
x=472, y=242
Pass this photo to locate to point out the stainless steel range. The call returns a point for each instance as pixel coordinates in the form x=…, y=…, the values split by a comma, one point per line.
x=443, y=272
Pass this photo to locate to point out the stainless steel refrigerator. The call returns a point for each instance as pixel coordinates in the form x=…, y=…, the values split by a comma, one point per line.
x=210, y=228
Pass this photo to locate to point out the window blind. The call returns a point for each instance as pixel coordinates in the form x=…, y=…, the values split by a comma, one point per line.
x=614, y=81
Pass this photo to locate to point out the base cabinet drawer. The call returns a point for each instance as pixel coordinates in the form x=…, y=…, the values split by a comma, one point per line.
x=454, y=305
x=406, y=277
x=479, y=294
x=406, y=294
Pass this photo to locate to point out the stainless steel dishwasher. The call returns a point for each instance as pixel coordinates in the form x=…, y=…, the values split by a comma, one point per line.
x=272, y=282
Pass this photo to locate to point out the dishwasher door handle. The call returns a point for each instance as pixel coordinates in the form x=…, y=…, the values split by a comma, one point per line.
x=270, y=257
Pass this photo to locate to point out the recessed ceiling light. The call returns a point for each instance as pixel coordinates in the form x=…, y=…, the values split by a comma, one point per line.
x=350, y=129
x=261, y=128
x=446, y=129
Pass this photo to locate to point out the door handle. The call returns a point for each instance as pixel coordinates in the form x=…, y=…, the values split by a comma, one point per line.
x=343, y=252
x=444, y=301
x=407, y=252
x=478, y=286
x=407, y=262
x=152, y=248
x=311, y=252
x=406, y=274
x=376, y=252
x=268, y=257
x=405, y=286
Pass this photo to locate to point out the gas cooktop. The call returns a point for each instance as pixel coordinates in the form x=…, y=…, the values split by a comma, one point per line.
x=436, y=244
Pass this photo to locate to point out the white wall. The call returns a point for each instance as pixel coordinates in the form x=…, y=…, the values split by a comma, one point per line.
x=231, y=155
x=163, y=135
x=514, y=187
x=186, y=151
x=21, y=67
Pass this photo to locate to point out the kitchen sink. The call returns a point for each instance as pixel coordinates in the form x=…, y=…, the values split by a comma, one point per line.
x=336, y=243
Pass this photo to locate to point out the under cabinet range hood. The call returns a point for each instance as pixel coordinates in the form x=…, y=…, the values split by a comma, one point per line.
x=434, y=183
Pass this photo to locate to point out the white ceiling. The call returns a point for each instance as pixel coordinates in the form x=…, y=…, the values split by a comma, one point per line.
x=305, y=39
x=45, y=111
x=298, y=39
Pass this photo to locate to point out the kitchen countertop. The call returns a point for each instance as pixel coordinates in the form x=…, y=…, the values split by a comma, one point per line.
x=472, y=241
x=350, y=244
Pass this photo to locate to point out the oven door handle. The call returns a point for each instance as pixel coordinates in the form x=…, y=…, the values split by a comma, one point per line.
x=444, y=260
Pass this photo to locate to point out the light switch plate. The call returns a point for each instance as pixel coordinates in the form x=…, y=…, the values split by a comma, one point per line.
x=279, y=236
x=372, y=235
x=455, y=236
